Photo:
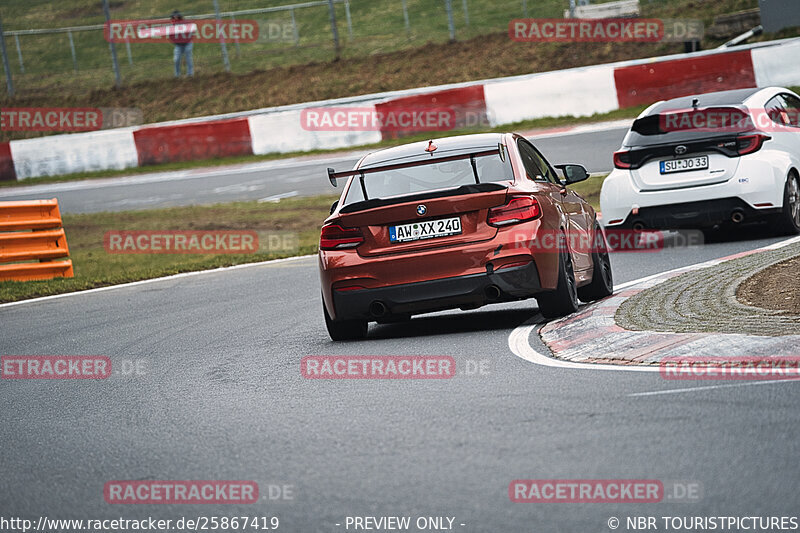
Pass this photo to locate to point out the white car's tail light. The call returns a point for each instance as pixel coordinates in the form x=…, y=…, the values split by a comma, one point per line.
x=622, y=160
x=747, y=144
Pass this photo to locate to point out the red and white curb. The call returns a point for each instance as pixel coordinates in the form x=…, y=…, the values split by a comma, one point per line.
x=591, y=339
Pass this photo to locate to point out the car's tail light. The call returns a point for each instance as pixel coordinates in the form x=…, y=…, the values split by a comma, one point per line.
x=622, y=159
x=747, y=144
x=335, y=237
x=518, y=209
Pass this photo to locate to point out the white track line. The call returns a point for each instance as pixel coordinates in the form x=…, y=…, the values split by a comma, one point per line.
x=519, y=339
x=154, y=280
x=595, y=127
x=275, y=198
x=519, y=343
x=710, y=387
x=158, y=177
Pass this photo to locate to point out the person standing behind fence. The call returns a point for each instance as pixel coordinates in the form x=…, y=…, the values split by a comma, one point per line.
x=181, y=37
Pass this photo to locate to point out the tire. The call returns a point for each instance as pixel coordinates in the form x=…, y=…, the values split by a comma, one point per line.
x=788, y=222
x=563, y=300
x=602, y=283
x=344, y=330
x=711, y=235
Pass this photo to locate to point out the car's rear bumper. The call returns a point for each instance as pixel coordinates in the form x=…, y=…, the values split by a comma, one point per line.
x=474, y=290
x=756, y=188
x=455, y=273
x=702, y=214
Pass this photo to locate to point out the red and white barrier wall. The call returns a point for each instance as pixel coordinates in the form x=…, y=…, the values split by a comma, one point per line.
x=66, y=154
x=574, y=92
x=777, y=65
x=661, y=80
x=283, y=132
x=467, y=106
x=188, y=142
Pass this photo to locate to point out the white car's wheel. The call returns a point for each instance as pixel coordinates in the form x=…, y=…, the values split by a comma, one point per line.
x=789, y=219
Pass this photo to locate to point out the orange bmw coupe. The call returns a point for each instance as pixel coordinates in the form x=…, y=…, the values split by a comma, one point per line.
x=457, y=222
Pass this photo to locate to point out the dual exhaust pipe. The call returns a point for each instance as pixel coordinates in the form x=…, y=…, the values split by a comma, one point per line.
x=737, y=217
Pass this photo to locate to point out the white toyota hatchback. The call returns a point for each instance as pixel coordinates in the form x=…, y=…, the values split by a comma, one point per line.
x=710, y=160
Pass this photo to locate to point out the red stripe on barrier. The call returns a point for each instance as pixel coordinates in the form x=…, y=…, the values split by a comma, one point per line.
x=7, y=172
x=467, y=107
x=191, y=142
x=650, y=82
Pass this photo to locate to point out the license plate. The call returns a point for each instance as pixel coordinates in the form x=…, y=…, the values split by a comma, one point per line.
x=684, y=165
x=428, y=229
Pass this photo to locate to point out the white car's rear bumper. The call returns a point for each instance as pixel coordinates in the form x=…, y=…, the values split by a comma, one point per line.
x=756, y=190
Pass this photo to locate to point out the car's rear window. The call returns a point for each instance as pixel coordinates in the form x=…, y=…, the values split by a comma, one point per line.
x=436, y=176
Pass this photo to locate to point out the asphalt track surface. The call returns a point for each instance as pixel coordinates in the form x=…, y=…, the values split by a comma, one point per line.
x=303, y=176
x=219, y=396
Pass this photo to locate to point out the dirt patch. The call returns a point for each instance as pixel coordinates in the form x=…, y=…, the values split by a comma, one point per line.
x=774, y=288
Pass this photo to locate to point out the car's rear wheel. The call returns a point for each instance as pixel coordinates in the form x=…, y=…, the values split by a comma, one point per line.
x=563, y=300
x=344, y=330
x=602, y=283
x=789, y=219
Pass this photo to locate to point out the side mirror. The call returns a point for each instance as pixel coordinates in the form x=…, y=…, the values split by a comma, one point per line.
x=573, y=173
x=334, y=206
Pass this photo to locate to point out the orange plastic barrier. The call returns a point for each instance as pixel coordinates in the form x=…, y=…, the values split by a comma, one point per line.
x=32, y=232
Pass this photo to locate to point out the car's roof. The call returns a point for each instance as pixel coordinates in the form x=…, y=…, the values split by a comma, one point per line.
x=444, y=146
x=719, y=98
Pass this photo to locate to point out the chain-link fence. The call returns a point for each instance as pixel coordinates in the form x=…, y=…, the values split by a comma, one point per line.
x=66, y=44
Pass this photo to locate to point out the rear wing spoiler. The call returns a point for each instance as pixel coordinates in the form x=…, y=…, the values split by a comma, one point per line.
x=333, y=175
